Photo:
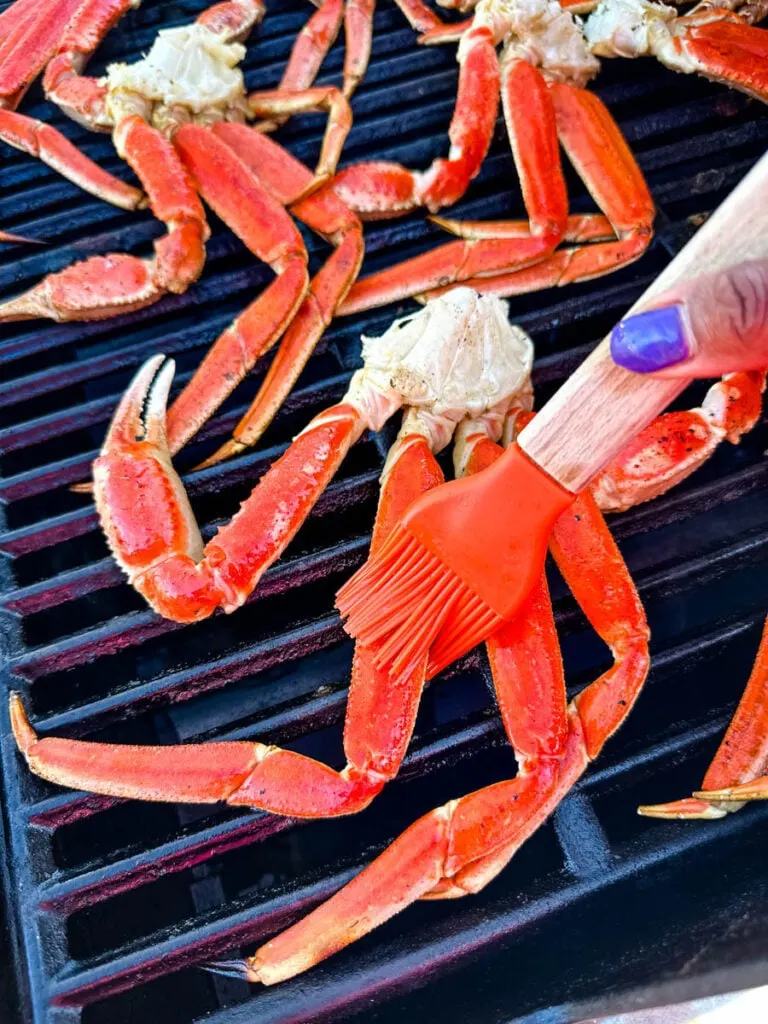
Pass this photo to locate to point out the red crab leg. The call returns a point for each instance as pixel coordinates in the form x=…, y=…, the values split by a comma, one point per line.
x=737, y=773
x=328, y=98
x=458, y=847
x=677, y=443
x=324, y=212
x=419, y=16
x=728, y=51
x=378, y=726
x=530, y=119
x=380, y=190
x=261, y=222
x=311, y=46
x=30, y=38
x=83, y=98
x=599, y=153
x=55, y=150
x=103, y=286
x=358, y=33
x=605, y=163
x=233, y=19
x=149, y=524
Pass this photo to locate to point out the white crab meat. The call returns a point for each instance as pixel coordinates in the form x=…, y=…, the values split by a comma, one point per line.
x=543, y=34
x=188, y=66
x=458, y=356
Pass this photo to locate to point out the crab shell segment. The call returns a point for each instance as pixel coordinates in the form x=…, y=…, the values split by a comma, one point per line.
x=544, y=35
x=458, y=356
x=189, y=67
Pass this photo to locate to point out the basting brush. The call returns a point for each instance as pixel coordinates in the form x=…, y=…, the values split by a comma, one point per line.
x=466, y=554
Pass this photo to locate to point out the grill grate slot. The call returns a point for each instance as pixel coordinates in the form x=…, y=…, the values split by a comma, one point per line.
x=113, y=904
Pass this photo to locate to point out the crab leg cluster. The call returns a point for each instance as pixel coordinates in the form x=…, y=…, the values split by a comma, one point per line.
x=51, y=32
x=544, y=67
x=456, y=849
x=545, y=49
x=184, y=143
x=459, y=355
x=144, y=510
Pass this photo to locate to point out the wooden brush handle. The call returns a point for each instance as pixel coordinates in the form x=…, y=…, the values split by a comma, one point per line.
x=599, y=409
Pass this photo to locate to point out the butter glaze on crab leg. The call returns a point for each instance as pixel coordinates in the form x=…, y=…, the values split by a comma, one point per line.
x=324, y=213
x=458, y=848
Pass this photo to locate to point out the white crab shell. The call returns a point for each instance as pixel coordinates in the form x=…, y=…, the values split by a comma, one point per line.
x=629, y=28
x=188, y=66
x=458, y=356
x=541, y=33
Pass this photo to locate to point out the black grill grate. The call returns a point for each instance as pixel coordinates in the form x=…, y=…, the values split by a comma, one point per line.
x=112, y=904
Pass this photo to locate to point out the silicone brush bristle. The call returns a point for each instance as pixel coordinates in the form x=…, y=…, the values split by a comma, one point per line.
x=460, y=563
x=402, y=600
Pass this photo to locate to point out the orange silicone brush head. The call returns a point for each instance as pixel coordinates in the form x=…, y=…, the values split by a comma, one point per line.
x=460, y=563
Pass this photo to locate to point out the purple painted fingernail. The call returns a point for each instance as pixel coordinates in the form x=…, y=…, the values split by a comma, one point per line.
x=652, y=341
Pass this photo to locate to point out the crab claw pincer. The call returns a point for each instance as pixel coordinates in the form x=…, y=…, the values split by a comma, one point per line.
x=144, y=510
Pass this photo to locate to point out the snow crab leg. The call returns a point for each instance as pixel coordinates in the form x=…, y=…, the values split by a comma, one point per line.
x=459, y=848
x=35, y=35
x=663, y=455
x=323, y=212
x=537, y=114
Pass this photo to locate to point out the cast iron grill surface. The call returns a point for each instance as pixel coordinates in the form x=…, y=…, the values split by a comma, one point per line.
x=113, y=905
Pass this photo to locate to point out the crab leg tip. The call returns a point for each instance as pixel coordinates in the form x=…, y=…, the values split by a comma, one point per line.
x=23, y=732
x=231, y=969
x=227, y=451
x=127, y=422
x=689, y=808
x=84, y=488
x=10, y=239
x=452, y=226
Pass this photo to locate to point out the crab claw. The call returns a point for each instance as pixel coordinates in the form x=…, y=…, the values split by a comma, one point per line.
x=143, y=507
